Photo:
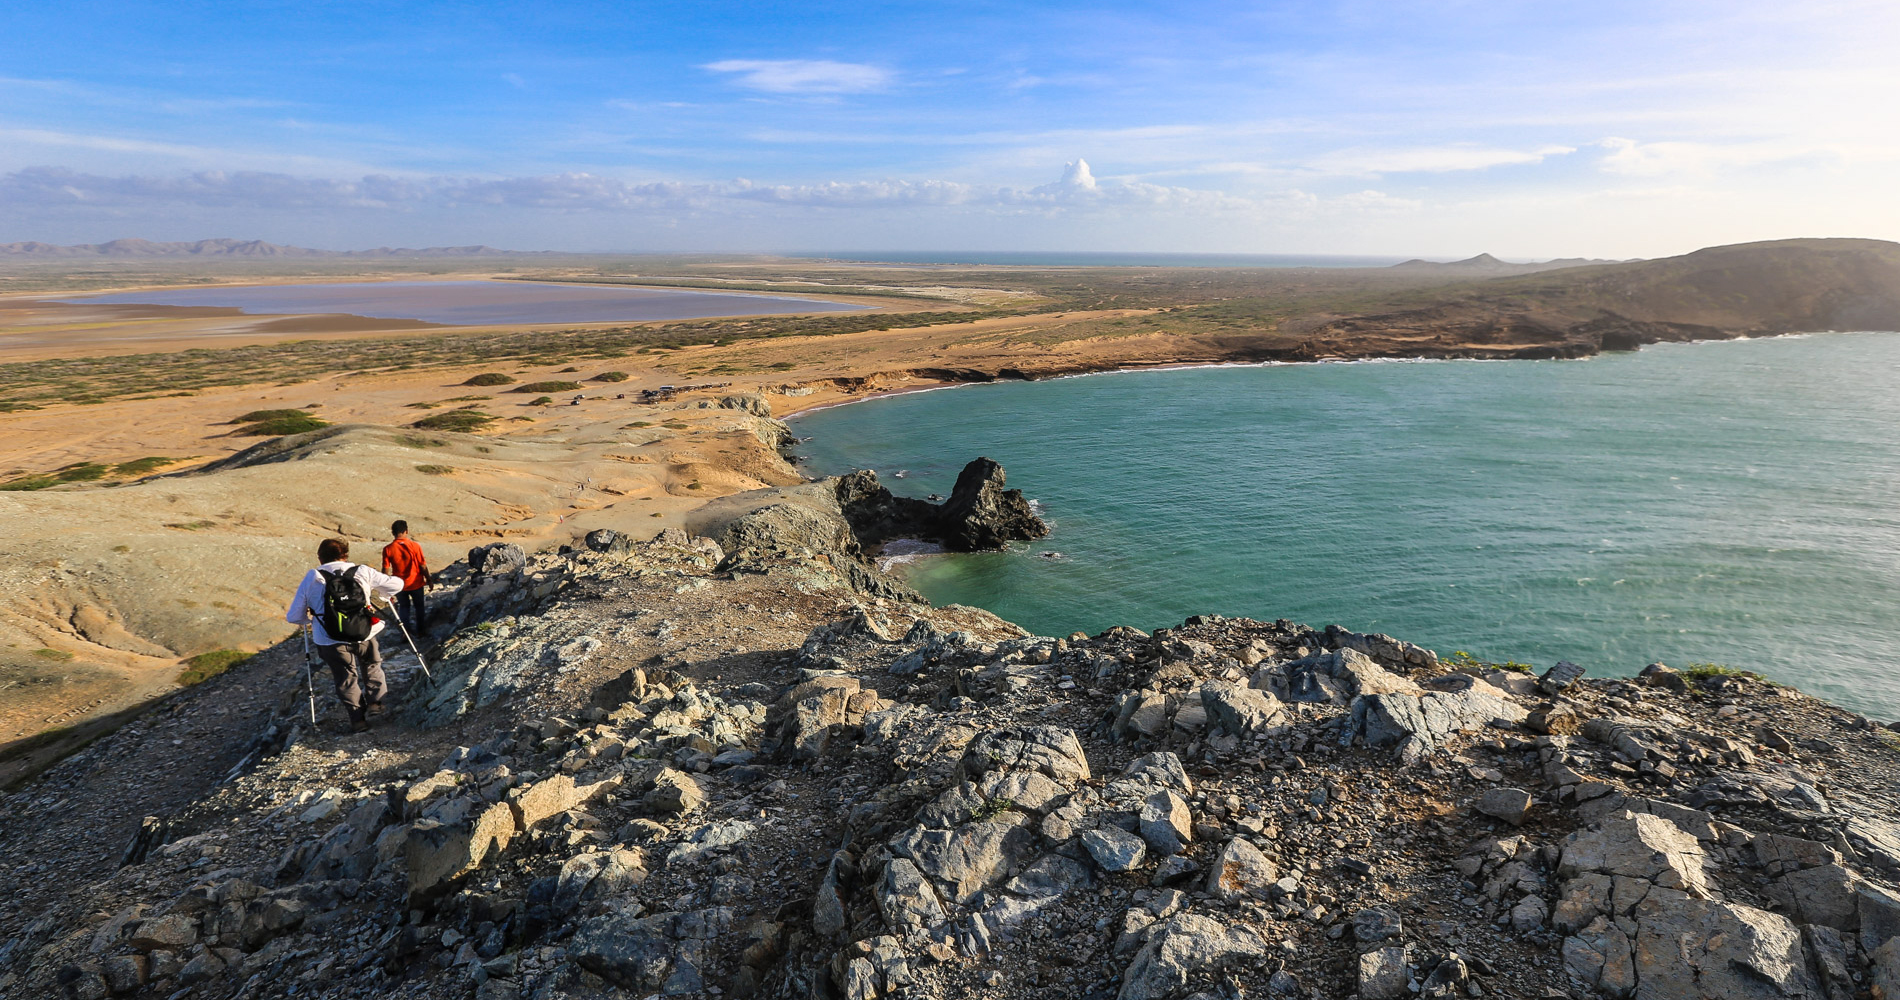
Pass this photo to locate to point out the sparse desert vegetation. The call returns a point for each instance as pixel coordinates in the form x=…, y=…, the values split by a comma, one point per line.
x=276, y=423
x=461, y=421
x=205, y=666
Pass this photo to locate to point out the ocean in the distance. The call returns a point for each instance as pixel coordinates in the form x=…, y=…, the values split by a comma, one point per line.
x=1734, y=503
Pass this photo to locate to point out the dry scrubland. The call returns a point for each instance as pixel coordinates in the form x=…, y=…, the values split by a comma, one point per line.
x=109, y=474
x=731, y=758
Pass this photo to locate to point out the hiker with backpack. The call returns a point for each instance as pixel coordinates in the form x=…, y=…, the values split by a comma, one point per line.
x=335, y=599
x=403, y=558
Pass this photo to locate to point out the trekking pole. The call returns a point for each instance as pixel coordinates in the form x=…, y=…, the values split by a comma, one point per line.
x=424, y=664
x=309, y=679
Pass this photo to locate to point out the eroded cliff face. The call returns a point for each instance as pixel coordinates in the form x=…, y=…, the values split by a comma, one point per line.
x=752, y=765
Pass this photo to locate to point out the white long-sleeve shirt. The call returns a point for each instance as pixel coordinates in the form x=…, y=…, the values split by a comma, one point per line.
x=308, y=603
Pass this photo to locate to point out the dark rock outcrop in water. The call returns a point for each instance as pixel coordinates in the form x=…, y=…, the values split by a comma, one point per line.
x=980, y=514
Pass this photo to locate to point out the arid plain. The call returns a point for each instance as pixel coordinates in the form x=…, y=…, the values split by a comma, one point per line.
x=141, y=546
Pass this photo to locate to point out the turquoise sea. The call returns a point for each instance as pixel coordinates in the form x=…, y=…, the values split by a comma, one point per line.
x=1734, y=503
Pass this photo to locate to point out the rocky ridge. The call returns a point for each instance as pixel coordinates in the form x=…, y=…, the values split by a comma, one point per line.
x=749, y=764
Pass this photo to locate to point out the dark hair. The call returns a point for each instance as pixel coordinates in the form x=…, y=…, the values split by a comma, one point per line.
x=399, y=528
x=332, y=549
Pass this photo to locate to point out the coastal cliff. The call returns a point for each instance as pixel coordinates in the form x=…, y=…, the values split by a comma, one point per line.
x=744, y=762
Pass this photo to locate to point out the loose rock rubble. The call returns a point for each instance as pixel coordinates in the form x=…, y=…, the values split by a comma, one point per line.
x=753, y=766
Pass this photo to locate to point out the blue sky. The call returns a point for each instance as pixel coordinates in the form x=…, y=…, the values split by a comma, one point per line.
x=1607, y=128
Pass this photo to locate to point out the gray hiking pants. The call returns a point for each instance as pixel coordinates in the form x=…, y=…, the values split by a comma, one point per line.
x=357, y=668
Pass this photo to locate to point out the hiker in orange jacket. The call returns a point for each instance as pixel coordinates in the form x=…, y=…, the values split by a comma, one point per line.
x=403, y=558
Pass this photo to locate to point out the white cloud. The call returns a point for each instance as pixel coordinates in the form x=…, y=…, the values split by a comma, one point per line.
x=1077, y=192
x=1076, y=174
x=1430, y=159
x=1701, y=159
x=803, y=76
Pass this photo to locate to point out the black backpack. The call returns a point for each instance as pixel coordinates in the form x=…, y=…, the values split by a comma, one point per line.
x=345, y=607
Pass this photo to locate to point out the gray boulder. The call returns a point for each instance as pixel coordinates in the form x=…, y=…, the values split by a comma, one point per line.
x=1238, y=869
x=596, y=875
x=905, y=898
x=1559, y=677
x=1166, y=824
x=1426, y=721
x=1237, y=711
x=1376, y=923
x=1639, y=846
x=1883, y=971
x=1187, y=946
x=1508, y=804
x=661, y=953
x=1384, y=974
x=1691, y=949
x=970, y=858
x=1334, y=677
x=1054, y=751
x=1051, y=875
x=1114, y=848
x=1828, y=895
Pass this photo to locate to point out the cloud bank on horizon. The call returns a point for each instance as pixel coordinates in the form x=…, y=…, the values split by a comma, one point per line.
x=1615, y=128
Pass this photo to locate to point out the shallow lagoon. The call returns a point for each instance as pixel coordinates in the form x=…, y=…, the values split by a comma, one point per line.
x=1736, y=502
x=477, y=303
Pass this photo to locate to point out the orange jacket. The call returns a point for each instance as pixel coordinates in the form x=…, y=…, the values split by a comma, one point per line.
x=403, y=558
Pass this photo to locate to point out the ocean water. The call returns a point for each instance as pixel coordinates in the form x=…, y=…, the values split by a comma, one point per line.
x=476, y=303
x=1734, y=503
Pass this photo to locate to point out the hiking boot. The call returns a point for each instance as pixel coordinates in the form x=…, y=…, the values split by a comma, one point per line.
x=376, y=708
x=359, y=725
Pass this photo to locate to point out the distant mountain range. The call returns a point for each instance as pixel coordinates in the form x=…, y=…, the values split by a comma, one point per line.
x=1485, y=264
x=236, y=248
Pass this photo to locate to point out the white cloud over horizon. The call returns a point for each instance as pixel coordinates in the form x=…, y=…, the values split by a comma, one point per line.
x=802, y=76
x=1078, y=189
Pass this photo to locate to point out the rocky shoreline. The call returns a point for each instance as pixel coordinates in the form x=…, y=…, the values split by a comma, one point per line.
x=1341, y=341
x=743, y=762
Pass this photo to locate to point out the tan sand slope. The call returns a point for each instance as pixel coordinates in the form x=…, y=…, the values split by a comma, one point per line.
x=113, y=585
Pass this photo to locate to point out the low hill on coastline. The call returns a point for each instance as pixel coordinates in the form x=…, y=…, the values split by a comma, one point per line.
x=1753, y=288
x=1747, y=290
x=1488, y=266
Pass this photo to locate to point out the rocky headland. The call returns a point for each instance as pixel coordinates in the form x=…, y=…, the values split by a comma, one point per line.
x=680, y=736
x=741, y=761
